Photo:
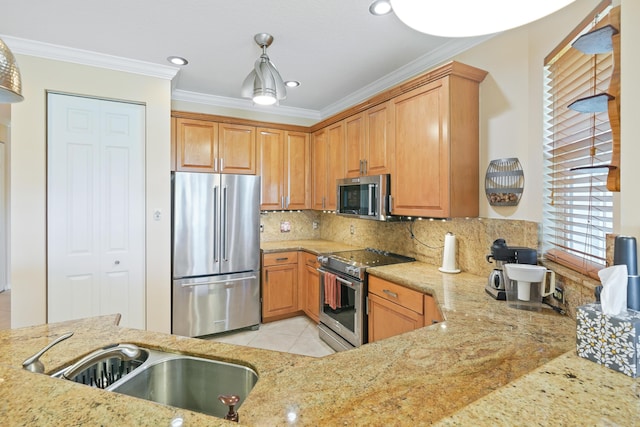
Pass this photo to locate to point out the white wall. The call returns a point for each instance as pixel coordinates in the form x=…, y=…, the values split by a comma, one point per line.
x=630, y=125
x=511, y=98
x=28, y=180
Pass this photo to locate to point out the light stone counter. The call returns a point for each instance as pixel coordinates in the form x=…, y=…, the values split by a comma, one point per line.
x=467, y=370
x=313, y=246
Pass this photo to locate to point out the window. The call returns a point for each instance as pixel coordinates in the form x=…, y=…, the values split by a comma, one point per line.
x=578, y=207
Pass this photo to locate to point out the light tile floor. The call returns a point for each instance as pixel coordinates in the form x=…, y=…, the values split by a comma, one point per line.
x=5, y=310
x=297, y=335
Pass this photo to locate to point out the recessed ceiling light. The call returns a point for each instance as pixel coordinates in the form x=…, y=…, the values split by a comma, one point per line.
x=177, y=60
x=292, y=83
x=380, y=7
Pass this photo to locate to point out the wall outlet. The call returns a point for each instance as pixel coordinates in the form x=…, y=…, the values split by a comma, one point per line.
x=352, y=229
x=315, y=225
x=285, y=226
x=558, y=294
x=262, y=228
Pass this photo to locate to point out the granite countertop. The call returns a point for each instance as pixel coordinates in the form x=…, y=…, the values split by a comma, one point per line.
x=486, y=364
x=313, y=246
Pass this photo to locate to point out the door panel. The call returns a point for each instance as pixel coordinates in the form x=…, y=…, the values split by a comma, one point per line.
x=95, y=209
x=3, y=219
x=240, y=223
x=194, y=231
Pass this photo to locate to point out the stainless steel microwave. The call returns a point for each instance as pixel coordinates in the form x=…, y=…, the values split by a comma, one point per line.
x=364, y=197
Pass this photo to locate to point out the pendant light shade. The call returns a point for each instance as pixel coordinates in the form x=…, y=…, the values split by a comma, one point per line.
x=263, y=84
x=466, y=18
x=10, y=81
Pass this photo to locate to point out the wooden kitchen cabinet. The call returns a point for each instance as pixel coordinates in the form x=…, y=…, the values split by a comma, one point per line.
x=285, y=168
x=279, y=285
x=237, y=149
x=205, y=146
x=196, y=145
x=328, y=165
x=309, y=285
x=436, y=171
x=368, y=142
x=395, y=309
x=354, y=143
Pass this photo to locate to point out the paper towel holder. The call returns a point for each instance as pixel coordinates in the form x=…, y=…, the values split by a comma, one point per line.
x=449, y=255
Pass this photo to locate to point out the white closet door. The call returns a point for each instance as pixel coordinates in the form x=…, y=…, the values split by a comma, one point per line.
x=95, y=209
x=4, y=244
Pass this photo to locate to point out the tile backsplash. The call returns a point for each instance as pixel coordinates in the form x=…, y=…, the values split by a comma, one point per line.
x=421, y=239
x=300, y=225
x=424, y=240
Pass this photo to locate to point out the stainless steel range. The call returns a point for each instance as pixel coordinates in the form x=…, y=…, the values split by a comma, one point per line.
x=343, y=292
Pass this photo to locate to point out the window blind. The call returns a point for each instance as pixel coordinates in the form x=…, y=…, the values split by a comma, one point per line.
x=578, y=208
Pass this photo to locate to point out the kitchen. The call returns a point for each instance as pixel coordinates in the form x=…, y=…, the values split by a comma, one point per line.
x=509, y=110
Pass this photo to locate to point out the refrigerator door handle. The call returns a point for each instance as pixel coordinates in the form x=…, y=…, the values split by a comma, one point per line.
x=224, y=224
x=215, y=221
x=239, y=279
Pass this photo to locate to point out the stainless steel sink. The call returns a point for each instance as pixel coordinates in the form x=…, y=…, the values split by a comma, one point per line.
x=182, y=381
x=189, y=383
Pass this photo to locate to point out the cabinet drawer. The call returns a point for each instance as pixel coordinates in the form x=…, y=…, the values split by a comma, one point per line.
x=278, y=258
x=408, y=298
x=311, y=260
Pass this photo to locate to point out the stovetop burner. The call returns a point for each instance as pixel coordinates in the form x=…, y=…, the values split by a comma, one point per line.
x=369, y=257
x=354, y=263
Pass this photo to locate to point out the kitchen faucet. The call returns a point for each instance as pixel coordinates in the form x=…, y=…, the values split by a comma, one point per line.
x=34, y=364
x=124, y=352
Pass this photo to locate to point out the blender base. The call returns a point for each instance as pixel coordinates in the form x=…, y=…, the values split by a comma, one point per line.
x=498, y=294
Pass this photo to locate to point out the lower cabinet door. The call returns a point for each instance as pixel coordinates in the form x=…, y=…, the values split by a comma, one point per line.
x=312, y=303
x=387, y=319
x=279, y=290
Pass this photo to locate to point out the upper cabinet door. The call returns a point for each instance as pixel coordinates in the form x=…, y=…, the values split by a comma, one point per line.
x=297, y=166
x=368, y=142
x=379, y=149
x=237, y=149
x=319, y=169
x=335, y=164
x=419, y=184
x=271, y=168
x=436, y=152
x=196, y=145
x=354, y=145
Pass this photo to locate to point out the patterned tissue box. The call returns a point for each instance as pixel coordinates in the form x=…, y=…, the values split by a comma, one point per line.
x=611, y=341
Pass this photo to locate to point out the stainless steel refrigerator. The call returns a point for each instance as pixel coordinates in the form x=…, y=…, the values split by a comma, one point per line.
x=216, y=253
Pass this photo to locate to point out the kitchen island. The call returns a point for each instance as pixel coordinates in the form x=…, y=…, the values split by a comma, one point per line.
x=486, y=364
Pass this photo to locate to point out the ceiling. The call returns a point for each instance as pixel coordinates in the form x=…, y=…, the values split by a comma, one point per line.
x=339, y=52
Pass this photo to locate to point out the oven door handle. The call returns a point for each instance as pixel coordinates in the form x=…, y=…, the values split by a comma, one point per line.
x=346, y=282
x=338, y=278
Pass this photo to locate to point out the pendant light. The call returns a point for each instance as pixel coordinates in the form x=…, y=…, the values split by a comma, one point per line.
x=10, y=80
x=466, y=18
x=263, y=84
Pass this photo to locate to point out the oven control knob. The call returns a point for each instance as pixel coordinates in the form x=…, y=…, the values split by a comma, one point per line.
x=354, y=271
x=323, y=260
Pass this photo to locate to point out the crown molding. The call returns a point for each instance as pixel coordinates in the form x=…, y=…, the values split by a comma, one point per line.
x=434, y=58
x=85, y=57
x=243, y=104
x=50, y=51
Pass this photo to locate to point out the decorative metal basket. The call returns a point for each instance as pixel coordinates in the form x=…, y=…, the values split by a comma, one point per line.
x=504, y=182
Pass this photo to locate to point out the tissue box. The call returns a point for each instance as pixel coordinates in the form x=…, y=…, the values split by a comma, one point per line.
x=611, y=341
